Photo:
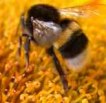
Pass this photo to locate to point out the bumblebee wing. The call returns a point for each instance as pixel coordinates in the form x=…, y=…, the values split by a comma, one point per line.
x=84, y=11
x=86, y=15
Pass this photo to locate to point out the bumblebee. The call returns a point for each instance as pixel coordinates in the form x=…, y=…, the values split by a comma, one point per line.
x=45, y=27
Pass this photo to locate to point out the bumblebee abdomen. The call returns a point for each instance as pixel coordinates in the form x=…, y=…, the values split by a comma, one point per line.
x=72, y=41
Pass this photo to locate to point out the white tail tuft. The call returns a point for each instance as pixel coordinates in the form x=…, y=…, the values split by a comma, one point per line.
x=77, y=62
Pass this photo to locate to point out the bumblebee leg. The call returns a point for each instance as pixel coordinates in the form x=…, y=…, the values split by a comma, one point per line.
x=61, y=73
x=59, y=68
x=27, y=49
x=22, y=22
x=20, y=45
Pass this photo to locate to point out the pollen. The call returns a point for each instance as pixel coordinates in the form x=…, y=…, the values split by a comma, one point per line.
x=40, y=82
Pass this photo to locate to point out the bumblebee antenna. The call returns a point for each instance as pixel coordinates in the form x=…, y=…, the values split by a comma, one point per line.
x=22, y=21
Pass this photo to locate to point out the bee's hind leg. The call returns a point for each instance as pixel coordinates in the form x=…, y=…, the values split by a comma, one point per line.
x=59, y=68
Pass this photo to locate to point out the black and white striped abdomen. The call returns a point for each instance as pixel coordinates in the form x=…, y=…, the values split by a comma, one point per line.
x=73, y=45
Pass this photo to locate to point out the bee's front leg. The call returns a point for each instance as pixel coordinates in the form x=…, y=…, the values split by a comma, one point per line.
x=59, y=68
x=20, y=45
x=27, y=49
